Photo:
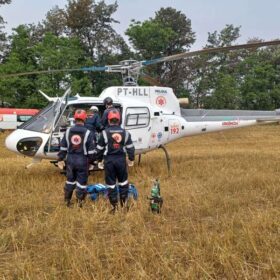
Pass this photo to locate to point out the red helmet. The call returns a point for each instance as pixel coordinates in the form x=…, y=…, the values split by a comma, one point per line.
x=80, y=115
x=114, y=114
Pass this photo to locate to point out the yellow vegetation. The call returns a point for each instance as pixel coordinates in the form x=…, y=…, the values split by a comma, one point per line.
x=220, y=218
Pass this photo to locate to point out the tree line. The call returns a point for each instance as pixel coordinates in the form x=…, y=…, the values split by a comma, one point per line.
x=82, y=34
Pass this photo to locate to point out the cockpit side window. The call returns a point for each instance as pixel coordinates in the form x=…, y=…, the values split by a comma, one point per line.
x=137, y=117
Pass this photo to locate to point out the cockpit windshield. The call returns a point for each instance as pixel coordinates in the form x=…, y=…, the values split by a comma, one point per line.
x=46, y=119
x=43, y=121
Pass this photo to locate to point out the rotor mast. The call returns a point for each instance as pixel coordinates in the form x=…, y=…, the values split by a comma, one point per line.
x=129, y=69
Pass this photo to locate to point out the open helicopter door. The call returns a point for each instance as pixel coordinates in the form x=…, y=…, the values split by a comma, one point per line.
x=54, y=140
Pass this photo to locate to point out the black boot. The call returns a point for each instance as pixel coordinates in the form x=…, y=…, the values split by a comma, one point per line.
x=80, y=203
x=123, y=195
x=67, y=202
x=67, y=197
x=114, y=209
x=113, y=198
x=81, y=195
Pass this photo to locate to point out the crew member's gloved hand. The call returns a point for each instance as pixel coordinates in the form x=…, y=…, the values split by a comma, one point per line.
x=61, y=164
x=101, y=165
x=130, y=163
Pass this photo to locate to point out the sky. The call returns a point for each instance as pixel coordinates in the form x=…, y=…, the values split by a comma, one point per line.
x=257, y=18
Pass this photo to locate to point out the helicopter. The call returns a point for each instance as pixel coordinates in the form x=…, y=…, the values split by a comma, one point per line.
x=152, y=114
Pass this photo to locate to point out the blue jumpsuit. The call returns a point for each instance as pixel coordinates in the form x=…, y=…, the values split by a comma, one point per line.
x=93, y=123
x=78, y=145
x=113, y=144
x=104, y=120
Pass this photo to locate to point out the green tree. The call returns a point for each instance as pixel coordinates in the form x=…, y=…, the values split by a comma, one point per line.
x=260, y=86
x=217, y=72
x=224, y=38
x=150, y=38
x=3, y=36
x=169, y=32
x=55, y=21
x=30, y=54
x=225, y=94
x=20, y=59
x=92, y=23
x=60, y=53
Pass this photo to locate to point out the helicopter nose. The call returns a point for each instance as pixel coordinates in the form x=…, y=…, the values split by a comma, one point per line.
x=11, y=142
x=20, y=142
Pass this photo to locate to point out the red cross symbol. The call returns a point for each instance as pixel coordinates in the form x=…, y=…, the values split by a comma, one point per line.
x=161, y=101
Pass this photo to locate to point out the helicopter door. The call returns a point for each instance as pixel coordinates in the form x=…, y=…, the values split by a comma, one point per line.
x=137, y=122
x=60, y=106
x=157, y=136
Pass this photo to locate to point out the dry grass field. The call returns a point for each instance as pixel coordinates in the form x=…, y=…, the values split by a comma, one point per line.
x=220, y=218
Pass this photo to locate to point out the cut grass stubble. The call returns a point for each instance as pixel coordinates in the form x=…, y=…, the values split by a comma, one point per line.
x=220, y=216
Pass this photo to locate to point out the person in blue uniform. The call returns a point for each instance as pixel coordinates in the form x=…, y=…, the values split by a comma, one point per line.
x=78, y=145
x=93, y=122
x=113, y=145
x=108, y=102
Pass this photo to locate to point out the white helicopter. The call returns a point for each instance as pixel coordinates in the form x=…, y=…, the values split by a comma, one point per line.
x=151, y=114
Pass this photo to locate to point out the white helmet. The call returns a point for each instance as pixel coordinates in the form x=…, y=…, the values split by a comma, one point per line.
x=94, y=108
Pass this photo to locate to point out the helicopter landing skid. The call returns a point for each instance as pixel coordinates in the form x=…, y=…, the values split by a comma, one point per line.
x=139, y=159
x=55, y=163
x=168, y=159
x=34, y=161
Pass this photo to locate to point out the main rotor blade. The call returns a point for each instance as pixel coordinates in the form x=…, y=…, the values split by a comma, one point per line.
x=210, y=50
x=36, y=72
x=120, y=68
x=84, y=69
